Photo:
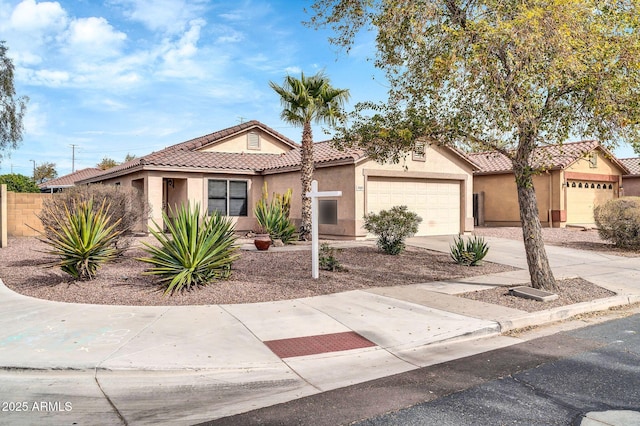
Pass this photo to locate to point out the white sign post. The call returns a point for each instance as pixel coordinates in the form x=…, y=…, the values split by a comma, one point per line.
x=315, y=245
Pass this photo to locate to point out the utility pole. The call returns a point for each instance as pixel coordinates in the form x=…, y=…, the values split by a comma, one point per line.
x=34, y=169
x=73, y=157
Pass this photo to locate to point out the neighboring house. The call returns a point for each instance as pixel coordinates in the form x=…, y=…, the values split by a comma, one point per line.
x=225, y=171
x=66, y=181
x=631, y=181
x=579, y=176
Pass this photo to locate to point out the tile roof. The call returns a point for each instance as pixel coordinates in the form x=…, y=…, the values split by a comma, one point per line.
x=205, y=140
x=186, y=155
x=71, y=178
x=323, y=152
x=633, y=164
x=550, y=156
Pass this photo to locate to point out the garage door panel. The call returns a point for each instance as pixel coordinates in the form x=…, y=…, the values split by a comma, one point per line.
x=437, y=202
x=583, y=196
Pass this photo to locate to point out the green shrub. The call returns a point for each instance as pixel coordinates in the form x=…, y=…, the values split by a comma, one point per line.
x=197, y=250
x=327, y=259
x=273, y=216
x=83, y=239
x=392, y=227
x=618, y=221
x=469, y=252
x=127, y=205
x=19, y=183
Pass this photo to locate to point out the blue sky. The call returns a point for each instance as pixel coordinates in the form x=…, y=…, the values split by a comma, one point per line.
x=132, y=76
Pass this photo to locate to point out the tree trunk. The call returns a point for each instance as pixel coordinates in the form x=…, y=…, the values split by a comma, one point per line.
x=306, y=176
x=539, y=269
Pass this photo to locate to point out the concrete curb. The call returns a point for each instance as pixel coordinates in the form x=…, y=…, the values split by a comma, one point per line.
x=564, y=312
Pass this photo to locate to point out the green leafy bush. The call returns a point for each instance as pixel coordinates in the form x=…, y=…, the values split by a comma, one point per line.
x=392, y=227
x=83, y=239
x=273, y=216
x=197, y=250
x=127, y=205
x=19, y=183
x=469, y=252
x=327, y=259
x=618, y=221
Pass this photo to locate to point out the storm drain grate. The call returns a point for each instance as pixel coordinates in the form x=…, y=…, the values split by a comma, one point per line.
x=319, y=344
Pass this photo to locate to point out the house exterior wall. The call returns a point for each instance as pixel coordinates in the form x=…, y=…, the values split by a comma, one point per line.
x=239, y=143
x=336, y=178
x=501, y=206
x=501, y=197
x=188, y=186
x=631, y=185
x=351, y=179
x=439, y=163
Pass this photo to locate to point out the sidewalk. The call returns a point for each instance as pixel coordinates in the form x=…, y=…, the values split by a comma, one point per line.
x=186, y=364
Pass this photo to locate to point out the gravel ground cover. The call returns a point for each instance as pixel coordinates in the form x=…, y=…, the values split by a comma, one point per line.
x=256, y=276
x=281, y=275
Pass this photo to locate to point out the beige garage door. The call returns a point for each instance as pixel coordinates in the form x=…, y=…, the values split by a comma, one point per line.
x=583, y=196
x=436, y=202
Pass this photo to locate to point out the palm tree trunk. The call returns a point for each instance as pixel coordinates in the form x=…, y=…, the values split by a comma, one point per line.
x=537, y=260
x=306, y=172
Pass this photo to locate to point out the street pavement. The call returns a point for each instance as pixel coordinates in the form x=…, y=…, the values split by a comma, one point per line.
x=596, y=385
x=66, y=363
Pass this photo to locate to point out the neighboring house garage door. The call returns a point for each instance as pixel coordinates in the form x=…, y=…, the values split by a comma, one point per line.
x=583, y=196
x=436, y=202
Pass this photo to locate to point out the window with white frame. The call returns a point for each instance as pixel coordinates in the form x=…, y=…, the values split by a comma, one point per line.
x=229, y=197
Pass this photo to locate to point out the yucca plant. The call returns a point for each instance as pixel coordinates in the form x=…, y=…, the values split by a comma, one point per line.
x=273, y=216
x=469, y=252
x=196, y=251
x=83, y=238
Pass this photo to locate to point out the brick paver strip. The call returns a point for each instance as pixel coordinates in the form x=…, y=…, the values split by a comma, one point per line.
x=319, y=344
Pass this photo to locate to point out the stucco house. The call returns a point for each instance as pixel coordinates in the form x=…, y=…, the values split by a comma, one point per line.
x=578, y=176
x=67, y=181
x=631, y=181
x=225, y=172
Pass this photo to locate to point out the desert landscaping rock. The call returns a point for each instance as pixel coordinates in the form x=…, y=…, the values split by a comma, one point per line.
x=256, y=276
x=282, y=275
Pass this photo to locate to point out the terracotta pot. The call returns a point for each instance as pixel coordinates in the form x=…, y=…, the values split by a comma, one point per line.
x=262, y=241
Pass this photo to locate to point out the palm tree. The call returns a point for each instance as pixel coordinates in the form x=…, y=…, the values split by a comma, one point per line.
x=306, y=100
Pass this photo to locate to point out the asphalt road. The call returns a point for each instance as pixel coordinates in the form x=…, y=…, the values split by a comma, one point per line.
x=553, y=380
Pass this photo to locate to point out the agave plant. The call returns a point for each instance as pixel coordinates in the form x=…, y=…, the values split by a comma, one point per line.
x=196, y=251
x=469, y=252
x=83, y=239
x=273, y=216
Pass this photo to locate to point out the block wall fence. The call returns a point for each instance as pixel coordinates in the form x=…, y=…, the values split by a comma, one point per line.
x=19, y=214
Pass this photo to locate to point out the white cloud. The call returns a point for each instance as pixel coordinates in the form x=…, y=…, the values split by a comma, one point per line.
x=293, y=70
x=94, y=38
x=229, y=35
x=35, y=121
x=178, y=57
x=50, y=77
x=31, y=17
x=170, y=16
x=28, y=27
